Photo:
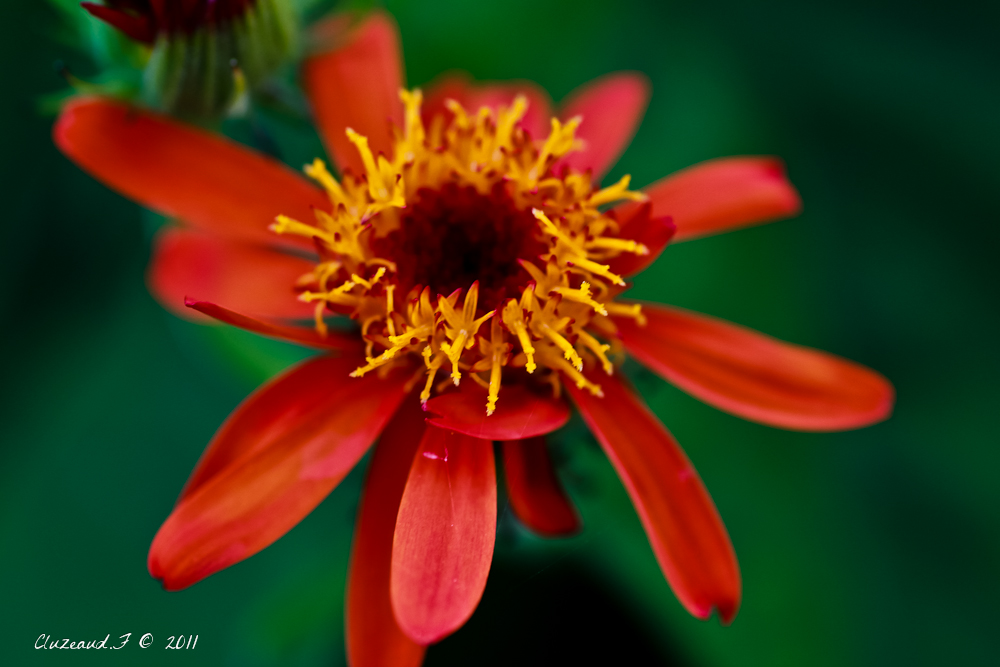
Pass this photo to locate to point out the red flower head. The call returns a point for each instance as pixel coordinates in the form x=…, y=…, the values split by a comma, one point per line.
x=143, y=20
x=469, y=242
x=197, y=43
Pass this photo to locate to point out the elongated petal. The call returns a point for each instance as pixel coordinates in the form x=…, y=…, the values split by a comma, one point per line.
x=357, y=86
x=445, y=532
x=638, y=224
x=308, y=336
x=755, y=376
x=268, y=414
x=534, y=491
x=493, y=94
x=683, y=526
x=520, y=413
x=245, y=277
x=179, y=171
x=373, y=636
x=724, y=194
x=328, y=33
x=612, y=107
x=276, y=457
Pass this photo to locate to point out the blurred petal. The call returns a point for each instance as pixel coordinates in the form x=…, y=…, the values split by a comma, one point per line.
x=683, y=526
x=755, y=376
x=520, y=413
x=327, y=33
x=638, y=224
x=724, y=194
x=357, y=86
x=245, y=277
x=276, y=457
x=473, y=95
x=183, y=172
x=373, y=636
x=612, y=107
x=308, y=336
x=534, y=490
x=445, y=532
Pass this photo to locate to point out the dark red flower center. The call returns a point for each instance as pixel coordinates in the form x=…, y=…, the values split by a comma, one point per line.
x=453, y=236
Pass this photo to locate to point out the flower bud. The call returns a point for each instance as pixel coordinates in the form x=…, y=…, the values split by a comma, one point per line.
x=205, y=53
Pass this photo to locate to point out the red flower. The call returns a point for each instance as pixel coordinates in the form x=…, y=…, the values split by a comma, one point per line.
x=143, y=20
x=441, y=202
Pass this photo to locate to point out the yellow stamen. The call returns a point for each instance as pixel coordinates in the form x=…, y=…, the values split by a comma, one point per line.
x=600, y=350
x=432, y=367
x=633, y=310
x=414, y=136
x=582, y=295
x=285, y=225
x=570, y=293
x=562, y=140
x=388, y=309
x=513, y=317
x=318, y=172
x=619, y=245
x=563, y=345
x=499, y=352
x=460, y=329
x=318, y=317
x=574, y=374
x=616, y=192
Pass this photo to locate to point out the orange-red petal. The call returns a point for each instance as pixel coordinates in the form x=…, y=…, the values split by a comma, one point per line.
x=612, y=107
x=245, y=277
x=534, y=490
x=445, y=533
x=493, y=94
x=520, y=413
x=183, y=172
x=755, y=376
x=308, y=336
x=684, y=528
x=357, y=86
x=724, y=194
x=638, y=224
x=373, y=636
x=276, y=457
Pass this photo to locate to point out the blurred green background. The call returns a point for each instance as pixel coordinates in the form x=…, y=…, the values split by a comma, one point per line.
x=872, y=547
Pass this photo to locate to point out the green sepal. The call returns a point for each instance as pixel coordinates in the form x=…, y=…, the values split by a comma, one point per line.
x=205, y=74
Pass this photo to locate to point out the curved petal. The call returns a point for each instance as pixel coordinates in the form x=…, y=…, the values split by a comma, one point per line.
x=245, y=277
x=276, y=457
x=328, y=32
x=457, y=86
x=308, y=336
x=534, y=490
x=754, y=376
x=612, y=107
x=183, y=172
x=445, y=532
x=373, y=636
x=638, y=224
x=357, y=86
x=683, y=526
x=724, y=194
x=520, y=413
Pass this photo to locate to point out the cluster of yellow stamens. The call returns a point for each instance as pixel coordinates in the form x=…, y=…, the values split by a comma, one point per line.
x=567, y=292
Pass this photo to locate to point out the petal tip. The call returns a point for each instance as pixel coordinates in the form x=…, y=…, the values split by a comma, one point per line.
x=727, y=611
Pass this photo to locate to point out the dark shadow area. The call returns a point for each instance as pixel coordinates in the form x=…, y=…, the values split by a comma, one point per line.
x=560, y=616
